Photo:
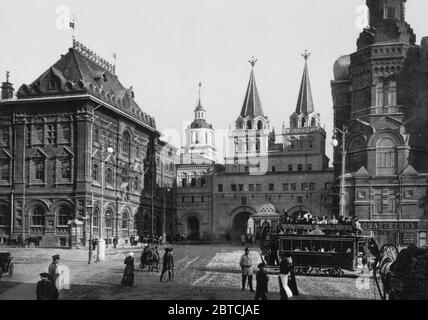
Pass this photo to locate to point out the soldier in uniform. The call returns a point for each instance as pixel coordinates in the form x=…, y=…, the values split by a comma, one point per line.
x=247, y=271
x=44, y=287
x=53, y=277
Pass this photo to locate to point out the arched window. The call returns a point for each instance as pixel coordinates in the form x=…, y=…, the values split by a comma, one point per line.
x=95, y=172
x=66, y=170
x=258, y=144
x=303, y=122
x=260, y=125
x=314, y=122
x=249, y=125
x=137, y=183
x=64, y=215
x=386, y=157
x=38, y=216
x=96, y=218
x=108, y=218
x=124, y=175
x=4, y=171
x=126, y=143
x=97, y=136
x=4, y=216
x=109, y=176
x=125, y=222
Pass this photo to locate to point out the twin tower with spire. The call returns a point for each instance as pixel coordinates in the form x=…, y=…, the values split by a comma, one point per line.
x=251, y=138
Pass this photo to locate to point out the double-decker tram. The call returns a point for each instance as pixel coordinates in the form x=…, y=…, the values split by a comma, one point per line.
x=316, y=249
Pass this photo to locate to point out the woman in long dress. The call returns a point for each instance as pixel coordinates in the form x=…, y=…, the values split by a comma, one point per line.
x=128, y=274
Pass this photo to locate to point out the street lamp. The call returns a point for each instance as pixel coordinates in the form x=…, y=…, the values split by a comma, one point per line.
x=335, y=144
x=101, y=244
x=166, y=190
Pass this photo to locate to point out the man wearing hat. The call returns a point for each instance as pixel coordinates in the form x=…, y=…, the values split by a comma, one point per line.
x=247, y=271
x=262, y=280
x=44, y=289
x=168, y=265
x=53, y=276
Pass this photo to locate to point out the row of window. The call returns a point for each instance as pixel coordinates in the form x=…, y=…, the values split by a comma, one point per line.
x=300, y=167
x=193, y=183
x=48, y=134
x=271, y=187
x=109, y=176
x=193, y=199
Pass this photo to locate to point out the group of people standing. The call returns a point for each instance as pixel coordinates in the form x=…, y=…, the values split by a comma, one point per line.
x=167, y=267
x=286, y=278
x=47, y=287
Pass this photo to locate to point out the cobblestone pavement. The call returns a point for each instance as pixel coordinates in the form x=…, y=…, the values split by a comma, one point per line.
x=202, y=272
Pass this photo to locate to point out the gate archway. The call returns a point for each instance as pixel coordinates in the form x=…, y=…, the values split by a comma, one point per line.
x=193, y=228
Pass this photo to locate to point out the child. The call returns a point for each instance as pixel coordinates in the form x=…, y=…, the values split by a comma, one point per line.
x=262, y=280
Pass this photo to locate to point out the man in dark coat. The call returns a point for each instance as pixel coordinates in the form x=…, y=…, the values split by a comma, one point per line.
x=168, y=265
x=262, y=280
x=44, y=287
x=53, y=277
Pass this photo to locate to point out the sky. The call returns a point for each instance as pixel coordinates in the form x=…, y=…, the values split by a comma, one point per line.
x=166, y=47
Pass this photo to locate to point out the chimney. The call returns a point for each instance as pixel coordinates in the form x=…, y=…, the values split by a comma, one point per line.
x=7, y=88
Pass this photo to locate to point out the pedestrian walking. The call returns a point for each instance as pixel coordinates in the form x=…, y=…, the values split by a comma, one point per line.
x=168, y=265
x=53, y=277
x=262, y=280
x=247, y=271
x=44, y=287
x=128, y=274
x=284, y=273
x=292, y=284
x=115, y=242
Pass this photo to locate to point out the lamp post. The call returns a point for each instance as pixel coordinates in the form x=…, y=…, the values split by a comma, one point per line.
x=336, y=143
x=110, y=152
x=166, y=190
x=91, y=208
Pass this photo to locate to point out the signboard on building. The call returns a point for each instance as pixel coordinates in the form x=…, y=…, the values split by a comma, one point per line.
x=408, y=238
x=399, y=225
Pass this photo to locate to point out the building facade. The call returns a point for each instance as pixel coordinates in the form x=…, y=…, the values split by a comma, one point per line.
x=377, y=93
x=81, y=156
x=291, y=174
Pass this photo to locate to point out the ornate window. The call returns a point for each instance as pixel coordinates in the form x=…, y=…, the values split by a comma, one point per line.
x=51, y=133
x=95, y=172
x=249, y=125
x=39, y=169
x=39, y=134
x=4, y=137
x=66, y=170
x=136, y=183
x=64, y=215
x=125, y=222
x=66, y=133
x=108, y=218
x=5, y=170
x=109, y=176
x=260, y=125
x=124, y=175
x=386, y=157
x=4, y=216
x=96, y=218
x=126, y=143
x=96, y=136
x=38, y=216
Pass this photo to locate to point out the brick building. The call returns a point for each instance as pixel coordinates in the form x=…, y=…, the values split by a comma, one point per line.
x=75, y=145
x=378, y=94
x=291, y=174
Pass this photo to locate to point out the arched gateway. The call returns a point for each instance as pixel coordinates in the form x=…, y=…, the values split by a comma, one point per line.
x=241, y=222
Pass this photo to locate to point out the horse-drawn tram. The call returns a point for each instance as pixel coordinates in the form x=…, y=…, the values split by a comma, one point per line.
x=319, y=250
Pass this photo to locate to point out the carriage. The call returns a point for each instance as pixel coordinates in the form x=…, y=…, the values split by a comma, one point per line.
x=320, y=250
x=6, y=264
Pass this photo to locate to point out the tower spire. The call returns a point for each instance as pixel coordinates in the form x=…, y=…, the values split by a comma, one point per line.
x=305, y=103
x=252, y=106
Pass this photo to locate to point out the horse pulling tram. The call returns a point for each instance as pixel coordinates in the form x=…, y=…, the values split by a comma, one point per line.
x=317, y=250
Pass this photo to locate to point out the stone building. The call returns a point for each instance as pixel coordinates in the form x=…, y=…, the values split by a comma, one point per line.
x=74, y=146
x=378, y=93
x=261, y=176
